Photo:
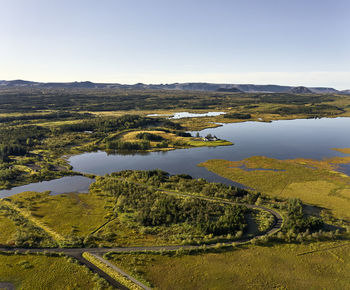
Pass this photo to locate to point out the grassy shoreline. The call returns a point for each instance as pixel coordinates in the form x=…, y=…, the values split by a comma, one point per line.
x=315, y=182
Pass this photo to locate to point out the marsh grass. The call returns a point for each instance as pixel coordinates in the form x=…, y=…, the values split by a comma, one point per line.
x=315, y=182
x=42, y=272
x=7, y=230
x=289, y=266
x=64, y=213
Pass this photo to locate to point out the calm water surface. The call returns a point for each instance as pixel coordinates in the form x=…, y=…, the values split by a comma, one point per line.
x=181, y=115
x=285, y=139
x=56, y=186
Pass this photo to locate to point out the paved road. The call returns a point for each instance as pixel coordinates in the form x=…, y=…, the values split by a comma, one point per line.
x=99, y=271
x=120, y=271
x=77, y=252
x=7, y=286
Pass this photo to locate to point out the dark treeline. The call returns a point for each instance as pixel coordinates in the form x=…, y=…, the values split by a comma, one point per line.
x=157, y=209
x=299, y=99
x=127, y=146
x=318, y=110
x=237, y=116
x=31, y=100
x=117, y=124
x=7, y=174
x=18, y=140
x=20, y=135
x=149, y=136
x=182, y=134
x=185, y=183
x=59, y=115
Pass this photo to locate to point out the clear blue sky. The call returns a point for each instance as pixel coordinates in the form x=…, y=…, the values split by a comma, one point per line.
x=297, y=42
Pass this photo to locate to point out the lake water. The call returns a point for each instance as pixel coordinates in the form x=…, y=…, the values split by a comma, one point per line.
x=181, y=115
x=56, y=186
x=285, y=139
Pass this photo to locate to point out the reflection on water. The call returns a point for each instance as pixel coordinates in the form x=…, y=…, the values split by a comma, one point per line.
x=181, y=115
x=194, y=115
x=285, y=139
x=56, y=186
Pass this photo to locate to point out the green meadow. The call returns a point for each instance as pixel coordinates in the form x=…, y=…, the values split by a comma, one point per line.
x=27, y=272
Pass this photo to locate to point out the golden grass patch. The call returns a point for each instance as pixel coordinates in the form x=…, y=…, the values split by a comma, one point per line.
x=174, y=140
x=65, y=212
x=343, y=150
x=315, y=182
x=7, y=230
x=42, y=272
x=323, y=266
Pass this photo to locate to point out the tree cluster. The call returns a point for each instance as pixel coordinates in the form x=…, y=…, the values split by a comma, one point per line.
x=157, y=209
x=297, y=221
x=127, y=146
x=18, y=140
x=242, y=116
x=149, y=136
x=185, y=183
x=117, y=124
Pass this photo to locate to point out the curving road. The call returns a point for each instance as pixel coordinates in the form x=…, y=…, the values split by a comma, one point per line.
x=77, y=252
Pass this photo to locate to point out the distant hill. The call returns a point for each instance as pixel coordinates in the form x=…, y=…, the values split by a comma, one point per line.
x=236, y=88
x=231, y=90
x=324, y=90
x=347, y=92
x=300, y=90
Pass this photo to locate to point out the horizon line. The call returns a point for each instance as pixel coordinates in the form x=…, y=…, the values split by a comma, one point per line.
x=170, y=83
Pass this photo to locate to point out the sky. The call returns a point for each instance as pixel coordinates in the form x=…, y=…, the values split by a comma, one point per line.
x=299, y=42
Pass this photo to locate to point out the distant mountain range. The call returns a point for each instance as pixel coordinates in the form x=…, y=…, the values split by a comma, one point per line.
x=246, y=88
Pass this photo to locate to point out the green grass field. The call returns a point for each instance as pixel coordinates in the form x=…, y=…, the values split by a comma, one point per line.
x=323, y=265
x=67, y=216
x=7, y=230
x=42, y=272
x=64, y=212
x=196, y=143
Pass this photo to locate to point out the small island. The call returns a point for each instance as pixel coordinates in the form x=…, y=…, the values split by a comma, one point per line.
x=161, y=139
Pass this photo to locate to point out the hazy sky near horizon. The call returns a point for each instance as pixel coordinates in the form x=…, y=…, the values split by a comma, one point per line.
x=299, y=42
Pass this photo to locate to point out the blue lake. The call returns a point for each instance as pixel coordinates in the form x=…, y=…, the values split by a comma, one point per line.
x=284, y=139
x=56, y=186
